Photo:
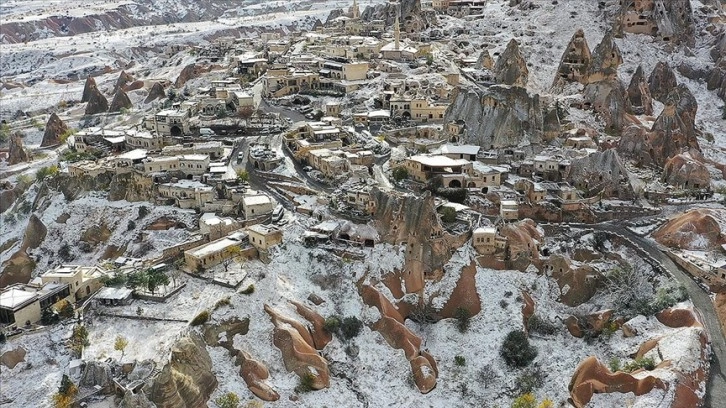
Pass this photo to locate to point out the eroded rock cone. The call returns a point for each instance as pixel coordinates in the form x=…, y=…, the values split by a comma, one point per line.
x=120, y=101
x=575, y=61
x=683, y=171
x=54, y=129
x=511, y=68
x=88, y=89
x=156, y=92
x=254, y=373
x=17, y=152
x=123, y=80
x=639, y=94
x=609, y=99
x=97, y=103
x=661, y=81
x=605, y=60
x=603, y=171
x=485, y=61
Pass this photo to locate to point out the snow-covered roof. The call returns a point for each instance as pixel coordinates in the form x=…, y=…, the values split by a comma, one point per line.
x=438, y=161
x=485, y=230
x=262, y=229
x=108, y=293
x=256, y=200
x=460, y=149
x=136, y=154
x=213, y=247
x=14, y=298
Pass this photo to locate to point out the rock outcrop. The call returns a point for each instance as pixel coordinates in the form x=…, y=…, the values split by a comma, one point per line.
x=54, y=129
x=13, y=357
x=684, y=171
x=96, y=373
x=662, y=81
x=88, y=89
x=17, y=269
x=668, y=20
x=511, y=68
x=35, y=232
x=120, y=101
x=464, y=295
x=591, y=377
x=698, y=229
x=605, y=61
x=485, y=61
x=601, y=172
x=187, y=380
x=190, y=72
x=412, y=18
x=398, y=336
x=17, y=152
x=609, y=99
x=97, y=103
x=639, y=96
x=156, y=92
x=575, y=61
x=255, y=374
x=523, y=243
x=498, y=117
x=577, y=282
x=413, y=220
x=122, y=82
x=298, y=353
x=320, y=336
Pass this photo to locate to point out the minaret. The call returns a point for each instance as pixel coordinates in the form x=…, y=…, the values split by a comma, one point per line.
x=397, y=33
x=355, y=10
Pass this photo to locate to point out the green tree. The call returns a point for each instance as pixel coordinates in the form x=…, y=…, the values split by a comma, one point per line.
x=243, y=176
x=350, y=327
x=228, y=400
x=399, y=173
x=4, y=132
x=448, y=215
x=463, y=317
x=156, y=278
x=516, y=350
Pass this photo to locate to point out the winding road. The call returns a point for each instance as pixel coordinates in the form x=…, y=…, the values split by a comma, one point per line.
x=716, y=388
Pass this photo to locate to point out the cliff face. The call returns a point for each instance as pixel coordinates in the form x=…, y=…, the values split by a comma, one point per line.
x=609, y=99
x=601, y=172
x=498, y=116
x=411, y=17
x=187, y=380
x=668, y=20
x=413, y=221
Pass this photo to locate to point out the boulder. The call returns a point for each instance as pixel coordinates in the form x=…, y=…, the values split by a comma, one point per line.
x=498, y=117
x=605, y=61
x=17, y=269
x=424, y=375
x=662, y=81
x=511, y=68
x=697, y=230
x=156, y=92
x=35, y=232
x=675, y=318
x=639, y=94
x=17, y=153
x=13, y=357
x=54, y=129
x=575, y=61
x=120, y=101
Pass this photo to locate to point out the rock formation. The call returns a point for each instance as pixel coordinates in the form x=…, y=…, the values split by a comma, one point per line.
x=13, y=357
x=591, y=377
x=96, y=373
x=523, y=243
x=601, y=172
x=662, y=81
x=88, y=89
x=575, y=60
x=485, y=61
x=123, y=80
x=464, y=294
x=684, y=171
x=17, y=152
x=511, y=68
x=605, y=60
x=698, y=230
x=609, y=99
x=97, y=103
x=190, y=72
x=187, y=380
x=298, y=353
x=398, y=336
x=320, y=336
x=255, y=374
x=17, y=269
x=669, y=20
x=672, y=133
x=35, y=232
x=156, y=92
x=411, y=17
x=639, y=94
x=54, y=129
x=120, y=101
x=413, y=220
x=577, y=282
x=498, y=117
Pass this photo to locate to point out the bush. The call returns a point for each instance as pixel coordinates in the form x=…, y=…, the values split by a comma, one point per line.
x=2, y=337
x=228, y=400
x=332, y=324
x=448, y=215
x=529, y=380
x=222, y=302
x=243, y=176
x=79, y=339
x=48, y=317
x=64, y=253
x=44, y=172
x=525, y=401
x=200, y=319
x=399, y=173
x=143, y=212
x=66, y=310
x=516, y=350
x=306, y=383
x=350, y=327
x=248, y=290
x=541, y=326
x=641, y=362
x=456, y=195
x=614, y=364
x=460, y=361
x=131, y=225
x=463, y=317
